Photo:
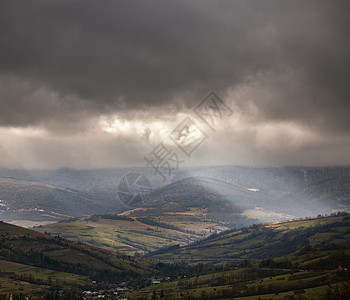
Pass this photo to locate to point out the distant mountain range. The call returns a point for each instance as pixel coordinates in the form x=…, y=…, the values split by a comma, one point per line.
x=185, y=211
x=219, y=200
x=265, y=194
x=36, y=201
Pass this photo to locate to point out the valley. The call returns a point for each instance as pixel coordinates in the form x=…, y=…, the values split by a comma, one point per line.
x=198, y=237
x=302, y=259
x=176, y=214
x=161, y=150
x=309, y=264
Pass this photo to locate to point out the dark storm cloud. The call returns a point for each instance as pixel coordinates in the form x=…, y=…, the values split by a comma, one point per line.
x=87, y=81
x=106, y=56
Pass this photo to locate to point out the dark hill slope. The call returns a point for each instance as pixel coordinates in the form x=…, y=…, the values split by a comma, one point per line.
x=265, y=241
x=221, y=200
x=29, y=247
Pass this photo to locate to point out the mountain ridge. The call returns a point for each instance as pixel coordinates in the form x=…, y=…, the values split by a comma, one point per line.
x=22, y=199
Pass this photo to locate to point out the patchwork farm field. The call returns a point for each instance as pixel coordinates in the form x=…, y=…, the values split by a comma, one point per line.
x=265, y=241
x=133, y=235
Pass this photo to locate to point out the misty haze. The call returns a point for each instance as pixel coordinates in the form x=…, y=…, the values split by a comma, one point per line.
x=174, y=149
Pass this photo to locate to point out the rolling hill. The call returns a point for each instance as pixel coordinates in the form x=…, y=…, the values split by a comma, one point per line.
x=36, y=201
x=179, y=213
x=42, y=261
x=259, y=242
x=331, y=194
x=303, y=259
x=221, y=200
x=290, y=191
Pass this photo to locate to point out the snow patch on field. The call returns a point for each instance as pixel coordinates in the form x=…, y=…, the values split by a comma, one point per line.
x=253, y=189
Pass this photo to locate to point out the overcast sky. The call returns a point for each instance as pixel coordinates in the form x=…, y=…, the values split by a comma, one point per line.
x=88, y=84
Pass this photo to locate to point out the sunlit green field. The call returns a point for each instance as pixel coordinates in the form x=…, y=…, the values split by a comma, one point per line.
x=131, y=237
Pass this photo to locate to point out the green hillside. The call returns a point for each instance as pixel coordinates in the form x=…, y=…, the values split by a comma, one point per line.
x=137, y=235
x=264, y=241
x=303, y=259
x=179, y=213
x=28, y=279
x=41, y=260
x=306, y=259
x=252, y=283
